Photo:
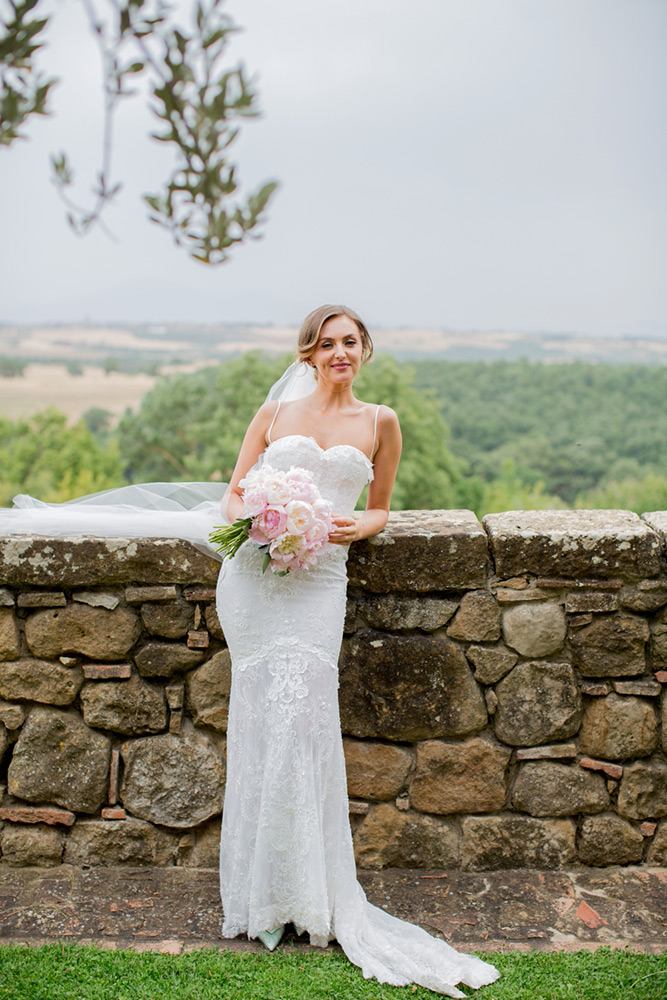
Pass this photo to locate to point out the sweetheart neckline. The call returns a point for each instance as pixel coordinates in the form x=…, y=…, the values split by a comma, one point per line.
x=309, y=437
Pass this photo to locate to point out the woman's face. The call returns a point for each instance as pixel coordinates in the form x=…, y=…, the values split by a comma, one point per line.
x=339, y=351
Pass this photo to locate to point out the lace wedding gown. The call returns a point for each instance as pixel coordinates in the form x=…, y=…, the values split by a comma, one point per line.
x=286, y=848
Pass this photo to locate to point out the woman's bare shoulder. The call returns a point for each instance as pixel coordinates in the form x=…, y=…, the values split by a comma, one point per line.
x=387, y=418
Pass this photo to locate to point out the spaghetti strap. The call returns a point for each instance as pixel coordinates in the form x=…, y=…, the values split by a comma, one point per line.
x=375, y=430
x=268, y=433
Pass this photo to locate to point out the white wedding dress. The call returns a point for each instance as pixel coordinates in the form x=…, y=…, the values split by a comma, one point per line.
x=286, y=847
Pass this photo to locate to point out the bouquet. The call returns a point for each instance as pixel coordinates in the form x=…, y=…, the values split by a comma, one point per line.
x=284, y=515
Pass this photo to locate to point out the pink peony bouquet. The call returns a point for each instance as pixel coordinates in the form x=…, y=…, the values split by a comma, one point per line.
x=285, y=516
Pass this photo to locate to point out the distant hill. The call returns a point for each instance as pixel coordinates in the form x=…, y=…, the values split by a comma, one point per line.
x=188, y=343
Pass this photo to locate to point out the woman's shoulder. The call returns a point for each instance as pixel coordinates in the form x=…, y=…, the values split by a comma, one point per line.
x=385, y=416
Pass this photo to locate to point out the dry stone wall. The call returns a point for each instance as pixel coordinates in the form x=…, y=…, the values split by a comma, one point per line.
x=503, y=695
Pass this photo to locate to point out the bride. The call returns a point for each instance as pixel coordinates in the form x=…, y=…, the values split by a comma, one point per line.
x=286, y=847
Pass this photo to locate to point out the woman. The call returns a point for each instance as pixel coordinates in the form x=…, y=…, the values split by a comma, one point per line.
x=286, y=848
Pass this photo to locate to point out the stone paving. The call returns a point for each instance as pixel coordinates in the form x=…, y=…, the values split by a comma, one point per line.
x=176, y=909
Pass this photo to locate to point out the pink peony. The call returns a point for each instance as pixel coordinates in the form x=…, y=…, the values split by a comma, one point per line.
x=300, y=517
x=268, y=524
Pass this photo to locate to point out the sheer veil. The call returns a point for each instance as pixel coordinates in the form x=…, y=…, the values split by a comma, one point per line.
x=146, y=510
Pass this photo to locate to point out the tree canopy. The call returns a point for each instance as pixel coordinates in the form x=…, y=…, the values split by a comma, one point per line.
x=197, y=101
x=42, y=456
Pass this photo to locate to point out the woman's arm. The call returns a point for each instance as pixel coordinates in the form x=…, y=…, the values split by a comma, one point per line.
x=385, y=465
x=254, y=443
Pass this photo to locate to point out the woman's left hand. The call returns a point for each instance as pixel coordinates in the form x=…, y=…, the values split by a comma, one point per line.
x=344, y=530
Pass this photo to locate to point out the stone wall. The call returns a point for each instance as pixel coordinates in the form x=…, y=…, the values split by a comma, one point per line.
x=503, y=695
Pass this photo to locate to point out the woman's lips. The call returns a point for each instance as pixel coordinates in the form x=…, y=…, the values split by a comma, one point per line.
x=340, y=366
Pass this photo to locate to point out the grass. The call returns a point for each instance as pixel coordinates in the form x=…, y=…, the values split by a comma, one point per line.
x=82, y=972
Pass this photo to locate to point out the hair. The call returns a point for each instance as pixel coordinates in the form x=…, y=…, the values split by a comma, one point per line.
x=312, y=327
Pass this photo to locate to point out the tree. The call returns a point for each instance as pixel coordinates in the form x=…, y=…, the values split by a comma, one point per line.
x=197, y=101
x=42, y=456
x=190, y=427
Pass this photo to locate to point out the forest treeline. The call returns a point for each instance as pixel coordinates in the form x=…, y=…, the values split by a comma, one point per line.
x=490, y=436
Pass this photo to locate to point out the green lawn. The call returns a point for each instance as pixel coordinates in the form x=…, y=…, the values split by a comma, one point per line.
x=76, y=972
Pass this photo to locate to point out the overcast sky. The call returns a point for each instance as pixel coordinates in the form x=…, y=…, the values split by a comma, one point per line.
x=474, y=164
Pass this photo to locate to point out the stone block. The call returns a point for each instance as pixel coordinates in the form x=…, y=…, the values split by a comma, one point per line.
x=49, y=815
x=10, y=643
x=412, y=687
x=114, y=773
x=107, y=671
x=171, y=620
x=41, y=599
x=117, y=843
x=477, y=619
x=546, y=788
x=396, y=612
x=175, y=695
x=509, y=596
x=557, y=751
x=175, y=781
x=661, y=676
x=659, y=645
x=617, y=728
x=643, y=689
x=644, y=598
x=657, y=519
x=204, y=852
x=129, y=706
x=137, y=595
x=506, y=841
x=4, y=740
x=376, y=771
x=207, y=691
x=389, y=837
x=6, y=598
x=491, y=663
x=575, y=544
x=213, y=622
x=609, y=840
x=163, y=659
x=93, y=632
x=611, y=646
x=59, y=759
x=11, y=716
x=614, y=771
x=595, y=689
x=591, y=600
x=198, y=639
x=534, y=629
x=199, y=593
x=643, y=792
x=648, y=829
x=81, y=561
x=460, y=777
x=538, y=702
x=97, y=598
x=657, y=852
x=664, y=720
x=422, y=551
x=113, y=813
x=491, y=699
x=40, y=680
x=31, y=846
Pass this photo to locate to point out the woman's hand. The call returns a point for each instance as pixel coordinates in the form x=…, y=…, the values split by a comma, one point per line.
x=344, y=530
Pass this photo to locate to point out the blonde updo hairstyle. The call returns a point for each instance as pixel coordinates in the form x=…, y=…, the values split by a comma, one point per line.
x=312, y=328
